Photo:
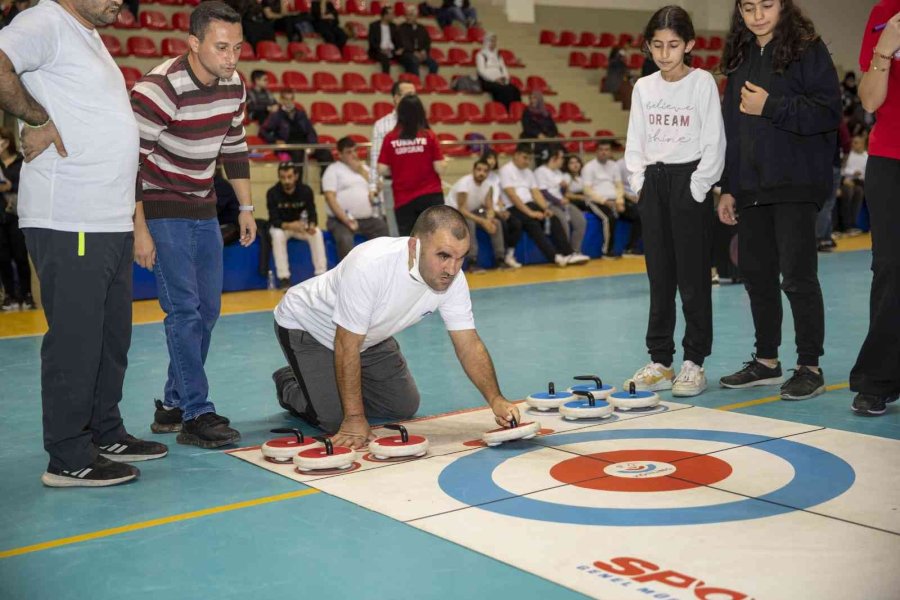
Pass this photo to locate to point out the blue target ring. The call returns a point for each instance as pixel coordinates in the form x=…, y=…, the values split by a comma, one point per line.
x=819, y=476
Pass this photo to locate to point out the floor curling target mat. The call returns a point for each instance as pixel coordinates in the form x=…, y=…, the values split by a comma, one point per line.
x=676, y=503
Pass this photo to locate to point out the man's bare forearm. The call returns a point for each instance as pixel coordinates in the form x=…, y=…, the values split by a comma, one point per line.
x=15, y=99
x=348, y=372
x=476, y=362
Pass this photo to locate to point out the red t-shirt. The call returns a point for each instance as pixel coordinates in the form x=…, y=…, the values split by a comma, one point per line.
x=884, y=140
x=412, y=165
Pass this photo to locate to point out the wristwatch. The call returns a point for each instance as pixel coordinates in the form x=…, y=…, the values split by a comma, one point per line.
x=246, y=208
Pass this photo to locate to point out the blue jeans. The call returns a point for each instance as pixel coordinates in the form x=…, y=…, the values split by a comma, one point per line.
x=824, y=225
x=189, y=277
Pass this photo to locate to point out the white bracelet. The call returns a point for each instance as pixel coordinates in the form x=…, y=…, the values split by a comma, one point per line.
x=246, y=208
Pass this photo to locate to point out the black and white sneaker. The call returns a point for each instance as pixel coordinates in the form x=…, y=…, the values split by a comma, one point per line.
x=209, y=430
x=869, y=405
x=100, y=473
x=131, y=449
x=803, y=384
x=754, y=373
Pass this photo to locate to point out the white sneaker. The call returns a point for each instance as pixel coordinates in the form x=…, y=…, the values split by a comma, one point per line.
x=561, y=260
x=652, y=378
x=691, y=381
x=578, y=259
x=510, y=260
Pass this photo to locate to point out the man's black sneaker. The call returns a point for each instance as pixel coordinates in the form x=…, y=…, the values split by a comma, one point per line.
x=284, y=377
x=166, y=421
x=132, y=449
x=803, y=384
x=209, y=430
x=754, y=373
x=869, y=405
x=100, y=473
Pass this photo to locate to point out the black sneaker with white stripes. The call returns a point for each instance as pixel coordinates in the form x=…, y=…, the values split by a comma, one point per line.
x=131, y=449
x=100, y=473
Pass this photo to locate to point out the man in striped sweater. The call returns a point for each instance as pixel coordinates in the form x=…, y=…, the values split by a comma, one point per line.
x=190, y=110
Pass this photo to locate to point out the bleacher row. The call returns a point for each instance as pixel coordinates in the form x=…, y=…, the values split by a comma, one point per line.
x=344, y=7
x=587, y=39
x=600, y=60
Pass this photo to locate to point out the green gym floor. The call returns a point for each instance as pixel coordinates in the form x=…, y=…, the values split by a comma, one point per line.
x=203, y=524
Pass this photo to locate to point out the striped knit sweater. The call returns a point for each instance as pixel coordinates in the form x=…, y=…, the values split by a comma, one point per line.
x=184, y=127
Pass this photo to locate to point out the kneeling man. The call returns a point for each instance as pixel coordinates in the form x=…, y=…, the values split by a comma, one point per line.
x=336, y=330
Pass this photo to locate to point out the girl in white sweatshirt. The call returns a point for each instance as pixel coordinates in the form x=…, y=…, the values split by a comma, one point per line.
x=676, y=152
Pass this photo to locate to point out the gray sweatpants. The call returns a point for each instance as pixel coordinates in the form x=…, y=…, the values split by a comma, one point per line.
x=570, y=216
x=388, y=388
x=496, y=240
x=87, y=302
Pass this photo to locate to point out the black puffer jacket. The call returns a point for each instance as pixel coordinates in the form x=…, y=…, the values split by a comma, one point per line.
x=786, y=154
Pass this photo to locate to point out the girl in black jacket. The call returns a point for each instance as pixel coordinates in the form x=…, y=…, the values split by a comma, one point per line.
x=782, y=107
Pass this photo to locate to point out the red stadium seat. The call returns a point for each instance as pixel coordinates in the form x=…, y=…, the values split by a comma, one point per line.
x=326, y=82
x=639, y=42
x=576, y=147
x=329, y=53
x=411, y=78
x=113, y=45
x=330, y=139
x=126, y=20
x=548, y=38
x=578, y=59
x=260, y=155
x=715, y=43
x=191, y=2
x=268, y=50
x=174, y=47
x=382, y=83
x=599, y=60
x=625, y=40
x=441, y=112
x=458, y=56
x=356, y=113
x=436, y=84
x=507, y=148
x=435, y=33
x=454, y=34
x=516, y=110
x=181, y=21
x=636, y=61
x=359, y=30
x=355, y=7
x=566, y=38
x=375, y=7
x=142, y=47
x=355, y=83
x=297, y=81
x=439, y=56
x=324, y=112
x=399, y=9
x=517, y=83
x=587, y=40
x=170, y=2
x=155, y=20
x=131, y=76
x=604, y=133
x=247, y=52
x=713, y=61
x=607, y=40
x=356, y=54
x=458, y=149
x=300, y=52
x=496, y=113
x=701, y=43
x=536, y=82
x=570, y=111
x=511, y=60
x=475, y=35
x=274, y=83
x=382, y=109
x=470, y=113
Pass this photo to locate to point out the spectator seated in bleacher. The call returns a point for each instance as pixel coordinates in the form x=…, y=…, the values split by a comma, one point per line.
x=616, y=72
x=552, y=183
x=415, y=44
x=630, y=212
x=255, y=25
x=538, y=123
x=474, y=197
x=574, y=183
x=292, y=214
x=460, y=11
x=227, y=207
x=13, y=251
x=853, y=181
x=605, y=192
x=384, y=42
x=523, y=198
x=348, y=201
x=260, y=101
x=289, y=124
x=326, y=22
x=493, y=74
x=512, y=227
x=286, y=18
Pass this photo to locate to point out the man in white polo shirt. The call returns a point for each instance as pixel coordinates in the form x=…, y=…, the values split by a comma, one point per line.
x=347, y=199
x=473, y=196
x=605, y=192
x=75, y=207
x=336, y=330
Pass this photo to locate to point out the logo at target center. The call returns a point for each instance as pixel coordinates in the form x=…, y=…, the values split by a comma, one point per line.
x=640, y=469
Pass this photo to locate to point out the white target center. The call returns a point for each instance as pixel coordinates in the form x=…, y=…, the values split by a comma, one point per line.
x=640, y=469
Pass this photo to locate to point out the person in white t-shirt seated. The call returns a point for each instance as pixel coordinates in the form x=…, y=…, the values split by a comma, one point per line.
x=552, y=183
x=336, y=330
x=347, y=199
x=473, y=196
x=853, y=179
x=631, y=212
x=523, y=199
x=605, y=192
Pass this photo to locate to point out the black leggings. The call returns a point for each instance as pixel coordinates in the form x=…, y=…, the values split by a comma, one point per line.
x=408, y=213
x=13, y=252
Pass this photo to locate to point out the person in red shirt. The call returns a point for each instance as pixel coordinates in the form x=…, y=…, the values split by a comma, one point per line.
x=876, y=376
x=412, y=155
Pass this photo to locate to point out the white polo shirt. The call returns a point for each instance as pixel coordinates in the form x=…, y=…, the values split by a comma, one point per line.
x=475, y=194
x=68, y=70
x=373, y=293
x=601, y=178
x=351, y=189
x=521, y=180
